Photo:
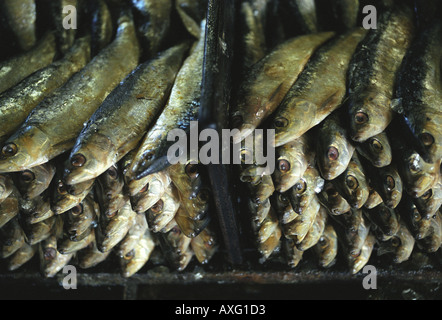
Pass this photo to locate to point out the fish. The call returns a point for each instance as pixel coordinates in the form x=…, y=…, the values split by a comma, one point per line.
x=370, y=82
x=65, y=197
x=22, y=256
x=262, y=190
x=205, y=245
x=37, y=232
x=51, y=261
x=352, y=184
x=9, y=208
x=90, y=256
x=164, y=210
x=191, y=14
x=6, y=186
x=374, y=199
x=67, y=246
x=189, y=226
x=110, y=231
x=17, y=102
x=283, y=209
x=385, y=218
x=12, y=238
x=418, y=225
x=432, y=242
x=153, y=21
x=317, y=229
x=133, y=236
x=175, y=246
x=138, y=257
x=270, y=246
x=102, y=26
x=267, y=228
x=357, y=263
x=327, y=247
x=401, y=245
x=334, y=148
x=306, y=190
x=260, y=211
x=81, y=219
x=21, y=17
x=65, y=36
x=298, y=228
x=33, y=182
x=319, y=90
x=299, y=17
x=430, y=202
x=121, y=121
x=269, y=80
x=36, y=209
x=418, y=91
x=17, y=68
x=46, y=134
x=293, y=254
x=386, y=181
x=157, y=186
x=333, y=201
x=195, y=204
x=253, y=43
x=353, y=229
x=110, y=192
x=377, y=150
x=293, y=160
x=181, y=109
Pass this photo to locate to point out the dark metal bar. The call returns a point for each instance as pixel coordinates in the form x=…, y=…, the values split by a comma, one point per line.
x=214, y=115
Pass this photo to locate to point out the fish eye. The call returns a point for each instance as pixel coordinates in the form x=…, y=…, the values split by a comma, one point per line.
x=396, y=242
x=145, y=188
x=237, y=121
x=361, y=118
x=332, y=154
x=176, y=230
x=427, y=195
x=434, y=217
x=110, y=215
x=300, y=187
x=389, y=183
x=9, y=150
x=158, y=207
x=280, y=122
x=352, y=182
x=191, y=170
x=283, y=166
x=323, y=242
x=427, y=139
x=27, y=176
x=78, y=160
x=50, y=254
x=376, y=145
x=77, y=210
x=416, y=215
x=283, y=199
x=355, y=255
x=112, y=172
x=61, y=188
x=130, y=255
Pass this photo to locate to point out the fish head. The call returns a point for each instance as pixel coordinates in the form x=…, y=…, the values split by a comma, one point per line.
x=289, y=127
x=65, y=197
x=305, y=190
x=377, y=150
x=430, y=202
x=386, y=219
x=391, y=188
x=6, y=186
x=335, y=160
x=365, y=119
x=27, y=148
x=89, y=160
x=418, y=175
x=430, y=136
x=355, y=188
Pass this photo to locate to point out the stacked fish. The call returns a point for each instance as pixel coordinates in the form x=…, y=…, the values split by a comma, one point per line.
x=357, y=117
x=84, y=119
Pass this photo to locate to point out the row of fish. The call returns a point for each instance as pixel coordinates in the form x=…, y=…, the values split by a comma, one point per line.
x=84, y=121
x=357, y=117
